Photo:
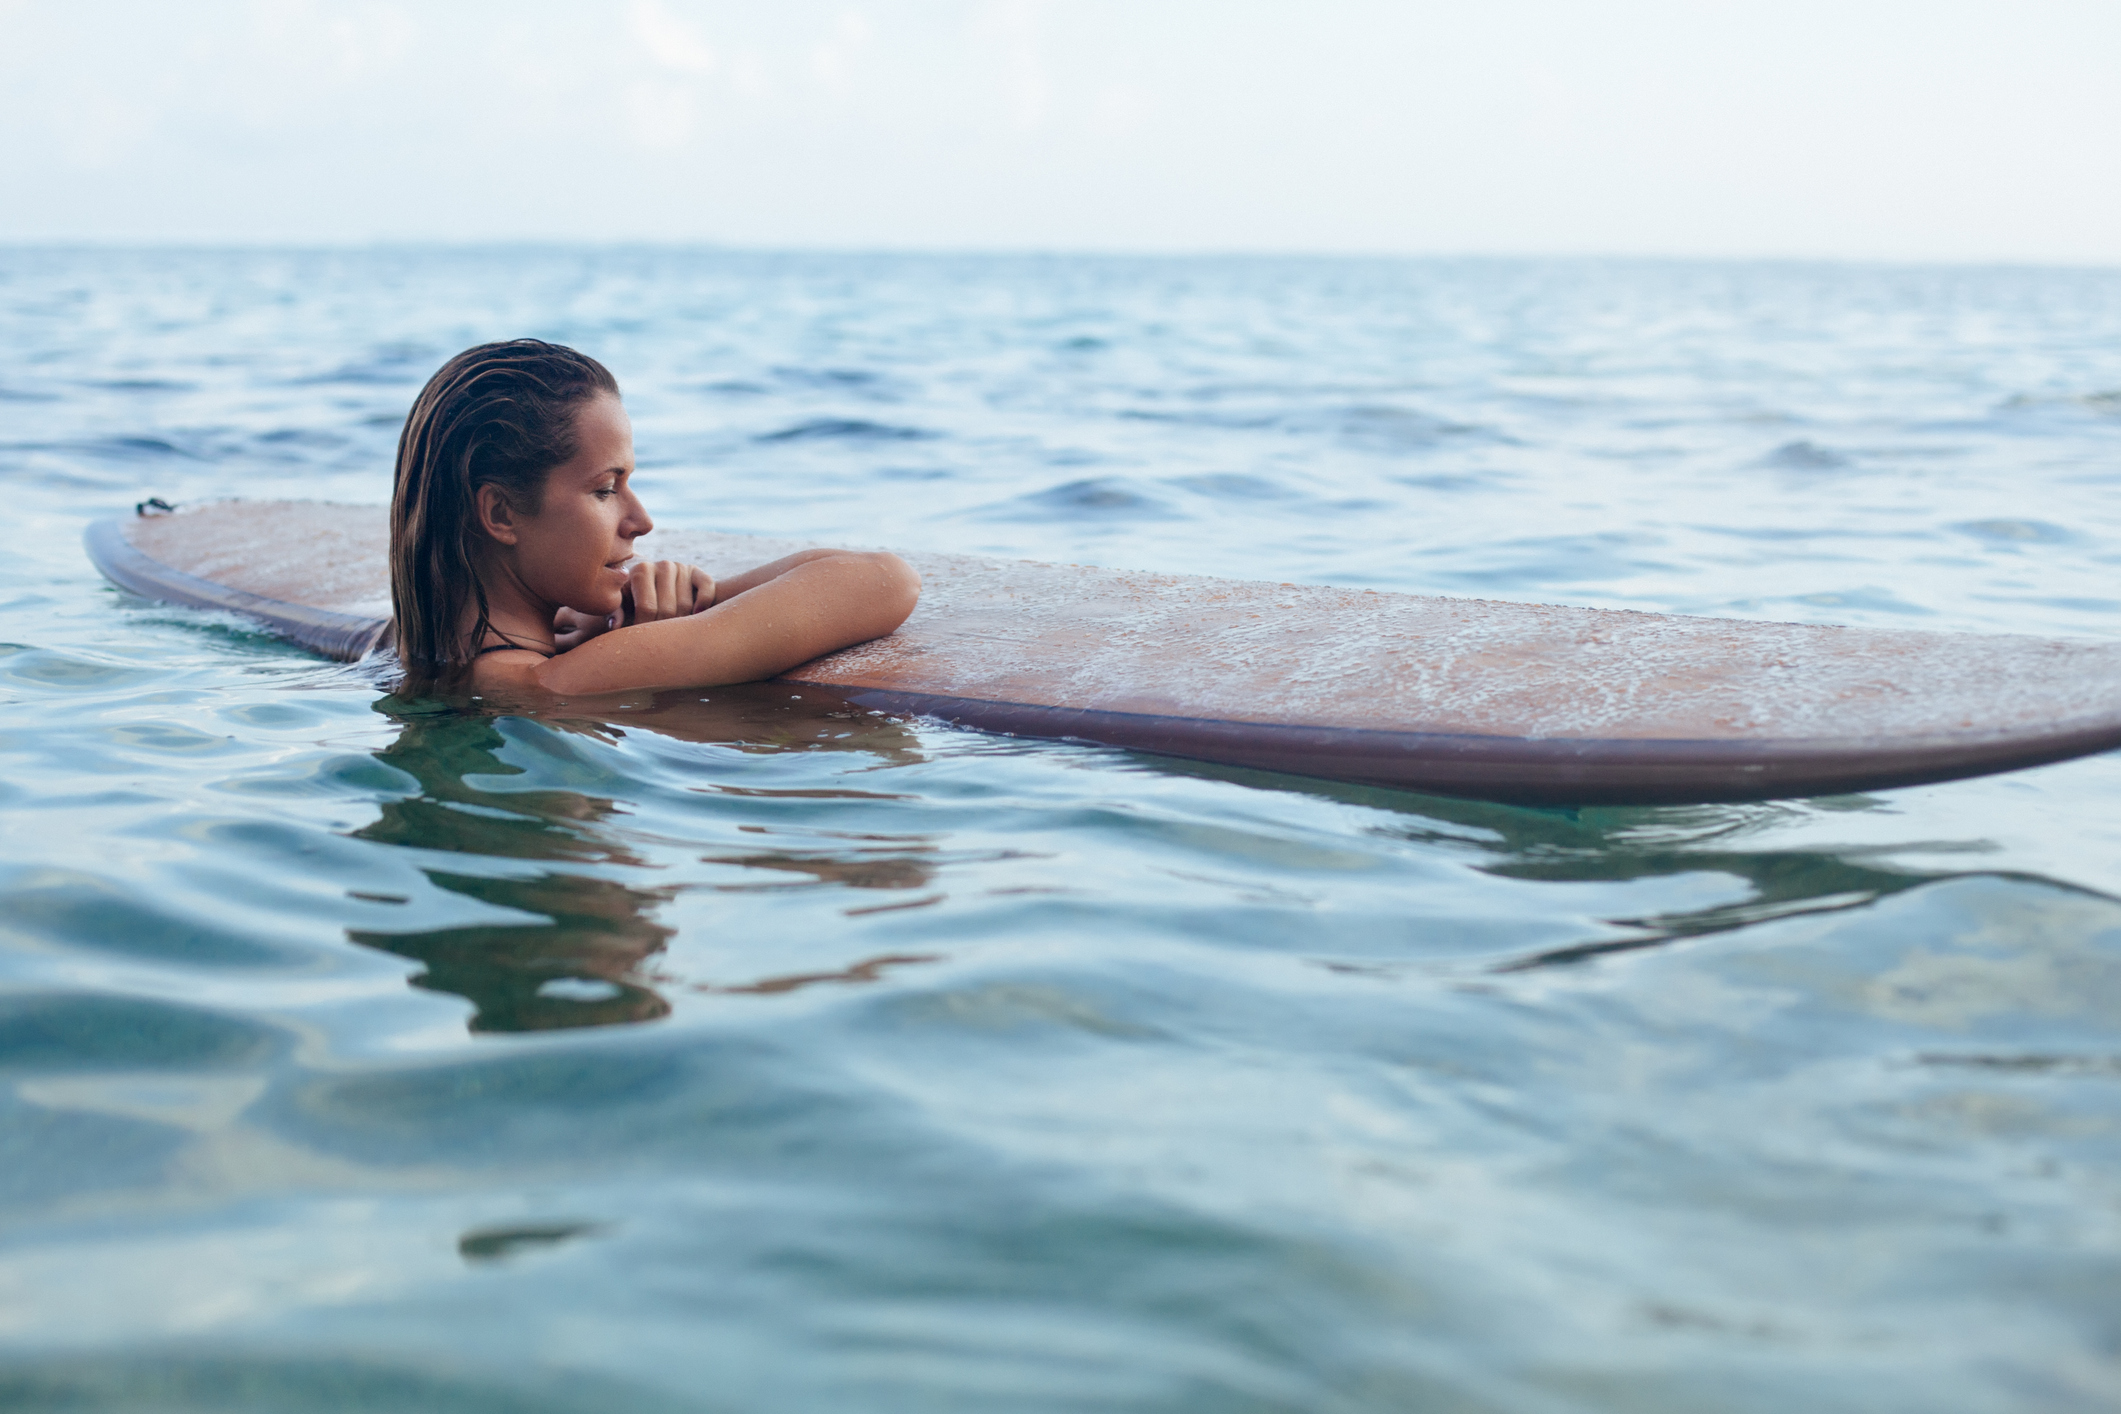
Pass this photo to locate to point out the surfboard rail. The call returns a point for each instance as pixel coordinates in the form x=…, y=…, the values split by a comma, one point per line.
x=345, y=637
x=1044, y=651
x=1510, y=770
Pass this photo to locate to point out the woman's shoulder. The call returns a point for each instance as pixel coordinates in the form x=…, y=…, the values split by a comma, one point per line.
x=503, y=665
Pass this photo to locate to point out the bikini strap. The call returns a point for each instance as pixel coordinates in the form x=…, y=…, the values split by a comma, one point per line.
x=511, y=648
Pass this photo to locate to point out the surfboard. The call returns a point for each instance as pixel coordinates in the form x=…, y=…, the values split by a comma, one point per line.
x=1525, y=703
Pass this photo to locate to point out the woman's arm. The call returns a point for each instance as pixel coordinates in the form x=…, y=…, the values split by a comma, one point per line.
x=655, y=589
x=670, y=589
x=764, y=622
x=729, y=588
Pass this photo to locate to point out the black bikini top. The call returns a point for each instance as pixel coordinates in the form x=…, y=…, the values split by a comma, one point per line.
x=512, y=648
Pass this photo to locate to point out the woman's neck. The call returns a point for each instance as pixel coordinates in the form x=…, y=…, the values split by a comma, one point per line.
x=513, y=613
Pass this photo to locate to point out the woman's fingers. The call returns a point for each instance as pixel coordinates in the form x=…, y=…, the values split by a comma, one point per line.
x=667, y=589
x=640, y=588
x=571, y=627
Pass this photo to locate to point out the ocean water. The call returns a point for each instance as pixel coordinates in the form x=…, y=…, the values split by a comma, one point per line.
x=748, y=1055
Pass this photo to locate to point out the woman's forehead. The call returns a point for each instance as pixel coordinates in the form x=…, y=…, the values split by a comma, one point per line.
x=603, y=436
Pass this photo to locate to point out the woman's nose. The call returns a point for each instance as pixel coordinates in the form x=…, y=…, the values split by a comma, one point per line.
x=637, y=522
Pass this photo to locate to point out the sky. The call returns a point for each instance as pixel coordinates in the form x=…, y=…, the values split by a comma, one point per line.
x=1850, y=129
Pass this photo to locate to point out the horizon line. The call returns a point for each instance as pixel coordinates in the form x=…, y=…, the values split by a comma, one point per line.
x=672, y=245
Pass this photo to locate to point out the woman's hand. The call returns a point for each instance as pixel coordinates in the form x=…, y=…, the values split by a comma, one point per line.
x=664, y=589
x=572, y=629
x=655, y=589
x=763, y=621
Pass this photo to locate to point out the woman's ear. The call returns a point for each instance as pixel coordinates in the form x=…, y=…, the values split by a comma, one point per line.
x=496, y=517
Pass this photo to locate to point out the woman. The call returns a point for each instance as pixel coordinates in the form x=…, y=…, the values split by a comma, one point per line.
x=512, y=528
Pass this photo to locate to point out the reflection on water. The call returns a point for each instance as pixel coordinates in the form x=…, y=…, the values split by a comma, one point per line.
x=755, y=718
x=579, y=950
x=580, y=945
x=867, y=970
x=1623, y=845
x=871, y=867
x=577, y=927
x=492, y=1244
x=592, y=931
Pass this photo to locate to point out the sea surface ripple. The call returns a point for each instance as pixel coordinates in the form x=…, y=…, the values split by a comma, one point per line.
x=754, y=1055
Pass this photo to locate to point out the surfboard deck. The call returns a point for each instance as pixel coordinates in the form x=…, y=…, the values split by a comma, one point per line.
x=1525, y=703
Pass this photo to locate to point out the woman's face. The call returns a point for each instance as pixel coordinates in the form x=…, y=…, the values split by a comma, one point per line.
x=569, y=552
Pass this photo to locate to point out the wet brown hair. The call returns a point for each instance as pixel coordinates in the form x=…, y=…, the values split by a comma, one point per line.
x=495, y=415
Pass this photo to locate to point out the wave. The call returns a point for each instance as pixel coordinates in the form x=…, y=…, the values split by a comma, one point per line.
x=1805, y=456
x=1372, y=427
x=851, y=429
x=1095, y=498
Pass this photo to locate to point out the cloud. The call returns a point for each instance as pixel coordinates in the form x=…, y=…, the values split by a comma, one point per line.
x=670, y=41
x=833, y=61
x=371, y=39
x=659, y=115
x=1013, y=28
x=1120, y=110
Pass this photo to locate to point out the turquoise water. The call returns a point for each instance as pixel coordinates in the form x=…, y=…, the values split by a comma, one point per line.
x=750, y=1055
